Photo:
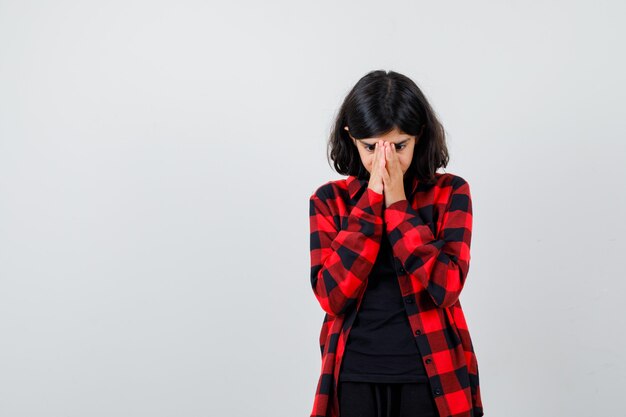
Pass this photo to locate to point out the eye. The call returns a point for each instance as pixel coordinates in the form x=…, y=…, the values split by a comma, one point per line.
x=372, y=148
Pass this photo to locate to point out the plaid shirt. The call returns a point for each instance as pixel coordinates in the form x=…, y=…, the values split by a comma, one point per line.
x=430, y=238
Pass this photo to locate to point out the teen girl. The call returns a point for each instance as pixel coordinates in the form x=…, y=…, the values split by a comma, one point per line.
x=390, y=252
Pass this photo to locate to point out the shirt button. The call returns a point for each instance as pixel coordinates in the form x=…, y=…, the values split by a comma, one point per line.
x=402, y=271
x=428, y=360
x=408, y=300
x=418, y=332
x=437, y=391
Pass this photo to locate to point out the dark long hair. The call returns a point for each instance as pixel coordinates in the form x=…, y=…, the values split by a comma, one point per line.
x=379, y=102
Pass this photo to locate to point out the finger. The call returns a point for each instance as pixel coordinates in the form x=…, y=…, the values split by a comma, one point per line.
x=392, y=154
x=384, y=174
x=384, y=160
x=388, y=155
x=375, y=154
x=375, y=161
x=396, y=157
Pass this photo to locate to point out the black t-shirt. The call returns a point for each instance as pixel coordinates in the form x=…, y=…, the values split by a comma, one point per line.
x=380, y=346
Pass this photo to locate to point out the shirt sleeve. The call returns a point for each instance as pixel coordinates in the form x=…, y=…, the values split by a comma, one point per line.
x=440, y=263
x=342, y=258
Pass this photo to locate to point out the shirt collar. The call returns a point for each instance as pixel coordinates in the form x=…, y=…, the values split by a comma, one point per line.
x=355, y=184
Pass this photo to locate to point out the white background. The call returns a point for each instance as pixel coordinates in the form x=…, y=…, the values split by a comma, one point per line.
x=156, y=160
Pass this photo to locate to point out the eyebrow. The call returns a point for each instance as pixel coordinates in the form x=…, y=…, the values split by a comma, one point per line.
x=399, y=143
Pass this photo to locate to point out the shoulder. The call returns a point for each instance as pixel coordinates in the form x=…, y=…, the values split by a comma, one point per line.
x=452, y=191
x=330, y=189
x=331, y=198
x=451, y=181
x=457, y=193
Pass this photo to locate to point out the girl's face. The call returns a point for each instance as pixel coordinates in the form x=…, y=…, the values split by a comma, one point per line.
x=403, y=143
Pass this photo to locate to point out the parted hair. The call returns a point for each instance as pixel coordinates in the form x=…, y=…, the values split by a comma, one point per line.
x=379, y=102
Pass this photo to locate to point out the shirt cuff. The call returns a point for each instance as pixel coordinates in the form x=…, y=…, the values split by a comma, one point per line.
x=400, y=211
x=370, y=205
